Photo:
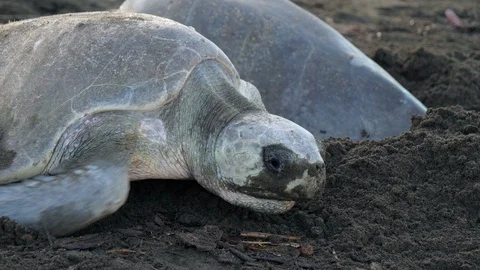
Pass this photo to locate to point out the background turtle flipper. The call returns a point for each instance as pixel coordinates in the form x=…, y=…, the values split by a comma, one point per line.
x=67, y=202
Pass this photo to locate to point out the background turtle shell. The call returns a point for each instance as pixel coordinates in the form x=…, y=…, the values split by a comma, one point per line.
x=304, y=69
x=54, y=70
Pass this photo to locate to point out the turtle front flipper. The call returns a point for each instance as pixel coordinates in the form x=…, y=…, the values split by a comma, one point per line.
x=88, y=174
x=86, y=179
x=66, y=202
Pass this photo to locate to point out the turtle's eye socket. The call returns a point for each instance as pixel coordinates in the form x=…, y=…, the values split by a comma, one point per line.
x=277, y=159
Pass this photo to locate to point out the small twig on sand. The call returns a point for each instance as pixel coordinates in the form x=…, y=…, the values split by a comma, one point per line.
x=242, y=256
x=124, y=251
x=264, y=243
x=261, y=235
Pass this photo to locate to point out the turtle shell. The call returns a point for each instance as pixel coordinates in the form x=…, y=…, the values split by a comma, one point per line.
x=304, y=69
x=54, y=70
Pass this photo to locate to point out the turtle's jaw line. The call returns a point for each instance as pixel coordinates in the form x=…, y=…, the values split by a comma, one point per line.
x=261, y=194
x=269, y=206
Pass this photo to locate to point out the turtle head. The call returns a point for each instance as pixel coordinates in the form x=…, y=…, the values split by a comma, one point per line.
x=265, y=162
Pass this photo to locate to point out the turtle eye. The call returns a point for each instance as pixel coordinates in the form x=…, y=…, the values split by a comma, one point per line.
x=276, y=158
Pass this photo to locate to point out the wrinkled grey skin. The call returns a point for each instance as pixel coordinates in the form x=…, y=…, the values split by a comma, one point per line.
x=304, y=69
x=91, y=101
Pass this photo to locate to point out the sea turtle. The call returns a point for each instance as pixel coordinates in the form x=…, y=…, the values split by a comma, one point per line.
x=304, y=69
x=90, y=101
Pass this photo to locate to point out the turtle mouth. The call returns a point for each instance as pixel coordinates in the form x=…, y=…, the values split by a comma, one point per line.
x=261, y=201
x=263, y=194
